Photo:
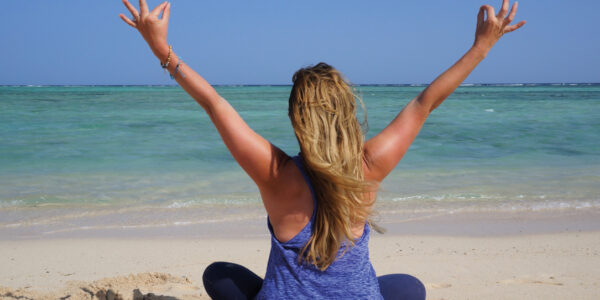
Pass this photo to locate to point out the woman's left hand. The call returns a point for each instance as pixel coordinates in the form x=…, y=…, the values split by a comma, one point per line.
x=152, y=28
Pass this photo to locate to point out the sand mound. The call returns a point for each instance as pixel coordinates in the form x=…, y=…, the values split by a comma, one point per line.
x=149, y=286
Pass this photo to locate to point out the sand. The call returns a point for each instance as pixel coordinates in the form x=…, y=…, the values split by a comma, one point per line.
x=563, y=264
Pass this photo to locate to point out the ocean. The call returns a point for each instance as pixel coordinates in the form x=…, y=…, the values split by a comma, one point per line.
x=74, y=157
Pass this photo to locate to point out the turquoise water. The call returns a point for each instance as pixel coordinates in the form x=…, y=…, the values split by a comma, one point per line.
x=514, y=147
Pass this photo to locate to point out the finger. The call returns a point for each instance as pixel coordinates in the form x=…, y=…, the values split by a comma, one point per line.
x=490, y=12
x=511, y=15
x=131, y=8
x=514, y=27
x=143, y=8
x=156, y=11
x=503, y=10
x=126, y=20
x=167, y=12
x=480, y=16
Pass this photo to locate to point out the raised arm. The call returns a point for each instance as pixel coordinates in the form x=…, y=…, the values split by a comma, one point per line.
x=259, y=158
x=384, y=151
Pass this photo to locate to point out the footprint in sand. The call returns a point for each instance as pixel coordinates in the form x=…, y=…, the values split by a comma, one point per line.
x=437, y=285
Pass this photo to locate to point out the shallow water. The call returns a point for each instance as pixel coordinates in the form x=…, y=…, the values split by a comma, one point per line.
x=81, y=148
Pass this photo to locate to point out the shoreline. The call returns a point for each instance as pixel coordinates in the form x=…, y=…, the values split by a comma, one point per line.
x=457, y=256
x=249, y=221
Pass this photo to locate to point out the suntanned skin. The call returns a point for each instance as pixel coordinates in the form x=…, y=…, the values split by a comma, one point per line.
x=284, y=192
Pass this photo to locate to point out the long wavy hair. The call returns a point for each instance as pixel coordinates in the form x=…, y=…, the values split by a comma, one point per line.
x=322, y=109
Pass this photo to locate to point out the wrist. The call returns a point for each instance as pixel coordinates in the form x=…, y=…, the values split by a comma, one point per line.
x=480, y=50
x=161, y=52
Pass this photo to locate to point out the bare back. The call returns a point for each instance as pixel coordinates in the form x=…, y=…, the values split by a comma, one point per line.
x=294, y=203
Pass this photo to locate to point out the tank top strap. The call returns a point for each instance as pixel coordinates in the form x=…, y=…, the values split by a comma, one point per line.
x=299, y=162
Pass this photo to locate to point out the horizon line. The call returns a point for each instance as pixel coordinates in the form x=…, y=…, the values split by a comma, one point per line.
x=354, y=84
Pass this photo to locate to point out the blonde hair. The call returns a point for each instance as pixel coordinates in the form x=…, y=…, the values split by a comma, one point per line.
x=322, y=109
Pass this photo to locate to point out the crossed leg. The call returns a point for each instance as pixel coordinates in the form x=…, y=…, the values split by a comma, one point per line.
x=223, y=280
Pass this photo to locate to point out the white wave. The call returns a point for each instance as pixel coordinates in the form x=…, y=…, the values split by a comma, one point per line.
x=210, y=201
x=440, y=198
x=177, y=204
x=182, y=223
x=398, y=199
x=11, y=203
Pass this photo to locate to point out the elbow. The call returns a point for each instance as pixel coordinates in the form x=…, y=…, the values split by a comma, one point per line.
x=425, y=105
x=212, y=105
x=429, y=103
x=434, y=106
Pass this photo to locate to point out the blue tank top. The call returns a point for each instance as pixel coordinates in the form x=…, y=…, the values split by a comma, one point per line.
x=350, y=276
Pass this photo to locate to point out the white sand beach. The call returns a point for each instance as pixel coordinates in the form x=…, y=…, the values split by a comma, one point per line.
x=564, y=264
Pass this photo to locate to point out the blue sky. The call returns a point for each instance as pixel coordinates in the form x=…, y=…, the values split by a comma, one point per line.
x=264, y=42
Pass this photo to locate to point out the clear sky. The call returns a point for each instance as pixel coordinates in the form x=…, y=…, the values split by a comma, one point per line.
x=264, y=42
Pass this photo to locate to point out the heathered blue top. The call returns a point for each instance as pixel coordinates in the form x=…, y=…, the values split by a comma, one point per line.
x=350, y=276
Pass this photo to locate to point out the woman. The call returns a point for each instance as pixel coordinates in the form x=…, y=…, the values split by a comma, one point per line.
x=318, y=203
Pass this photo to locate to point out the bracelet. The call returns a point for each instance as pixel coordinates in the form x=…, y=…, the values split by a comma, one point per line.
x=166, y=64
x=177, y=70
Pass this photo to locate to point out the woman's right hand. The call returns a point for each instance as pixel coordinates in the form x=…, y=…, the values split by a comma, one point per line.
x=152, y=28
x=491, y=29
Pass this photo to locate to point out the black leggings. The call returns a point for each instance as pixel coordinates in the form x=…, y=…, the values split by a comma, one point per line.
x=223, y=280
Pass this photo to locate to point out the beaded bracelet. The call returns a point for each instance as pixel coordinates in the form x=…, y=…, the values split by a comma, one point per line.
x=177, y=70
x=166, y=64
